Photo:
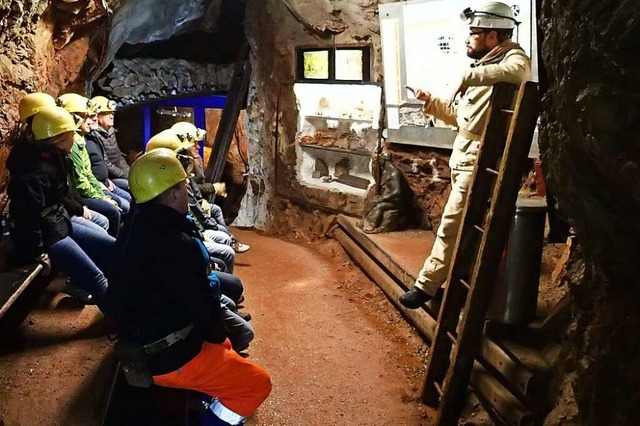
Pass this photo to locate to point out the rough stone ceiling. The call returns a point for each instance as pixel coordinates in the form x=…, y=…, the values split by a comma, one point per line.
x=150, y=22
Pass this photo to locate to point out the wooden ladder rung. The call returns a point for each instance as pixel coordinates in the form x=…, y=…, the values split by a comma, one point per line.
x=438, y=388
x=464, y=283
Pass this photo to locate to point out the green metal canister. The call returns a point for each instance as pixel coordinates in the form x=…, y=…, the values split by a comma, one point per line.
x=515, y=295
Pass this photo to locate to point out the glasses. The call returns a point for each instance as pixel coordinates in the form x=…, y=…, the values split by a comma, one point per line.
x=473, y=33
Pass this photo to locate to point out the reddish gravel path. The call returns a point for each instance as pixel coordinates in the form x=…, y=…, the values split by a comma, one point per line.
x=337, y=350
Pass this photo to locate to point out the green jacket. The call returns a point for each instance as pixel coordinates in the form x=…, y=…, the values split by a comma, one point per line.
x=83, y=178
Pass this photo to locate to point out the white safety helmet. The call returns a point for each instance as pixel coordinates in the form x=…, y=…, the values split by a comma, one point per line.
x=493, y=14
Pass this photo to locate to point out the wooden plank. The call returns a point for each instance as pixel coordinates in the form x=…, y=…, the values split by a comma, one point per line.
x=513, y=374
x=14, y=283
x=228, y=121
x=403, y=277
x=419, y=318
x=501, y=400
x=503, y=406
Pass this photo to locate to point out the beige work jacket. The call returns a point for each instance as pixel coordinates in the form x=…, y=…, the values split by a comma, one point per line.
x=470, y=115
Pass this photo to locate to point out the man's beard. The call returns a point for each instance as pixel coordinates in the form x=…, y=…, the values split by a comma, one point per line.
x=477, y=53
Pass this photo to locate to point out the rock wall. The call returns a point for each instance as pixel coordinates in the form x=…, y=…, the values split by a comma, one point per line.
x=145, y=21
x=131, y=81
x=275, y=28
x=44, y=48
x=429, y=177
x=591, y=157
x=19, y=57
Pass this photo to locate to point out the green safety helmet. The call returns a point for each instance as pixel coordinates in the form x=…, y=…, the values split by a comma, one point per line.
x=153, y=173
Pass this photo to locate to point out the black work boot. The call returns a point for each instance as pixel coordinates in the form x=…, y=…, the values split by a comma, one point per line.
x=414, y=298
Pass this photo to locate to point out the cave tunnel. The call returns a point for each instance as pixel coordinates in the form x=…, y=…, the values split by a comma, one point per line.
x=311, y=108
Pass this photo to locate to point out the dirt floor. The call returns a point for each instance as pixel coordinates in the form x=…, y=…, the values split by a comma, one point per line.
x=337, y=350
x=54, y=370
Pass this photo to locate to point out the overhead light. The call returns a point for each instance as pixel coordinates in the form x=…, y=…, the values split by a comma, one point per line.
x=173, y=112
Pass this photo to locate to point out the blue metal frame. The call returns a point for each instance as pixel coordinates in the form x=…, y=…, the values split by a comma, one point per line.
x=198, y=103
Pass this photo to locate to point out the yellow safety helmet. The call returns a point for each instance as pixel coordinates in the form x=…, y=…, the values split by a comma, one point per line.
x=73, y=102
x=153, y=173
x=101, y=104
x=167, y=139
x=32, y=103
x=187, y=131
x=52, y=121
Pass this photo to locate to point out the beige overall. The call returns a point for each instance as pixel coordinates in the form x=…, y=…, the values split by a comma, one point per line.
x=506, y=63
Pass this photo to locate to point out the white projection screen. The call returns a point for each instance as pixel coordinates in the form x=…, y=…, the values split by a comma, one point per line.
x=423, y=45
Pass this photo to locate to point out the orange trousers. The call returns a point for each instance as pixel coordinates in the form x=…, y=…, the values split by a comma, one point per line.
x=240, y=385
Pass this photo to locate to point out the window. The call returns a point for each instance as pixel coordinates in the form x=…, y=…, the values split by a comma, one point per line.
x=341, y=64
x=316, y=64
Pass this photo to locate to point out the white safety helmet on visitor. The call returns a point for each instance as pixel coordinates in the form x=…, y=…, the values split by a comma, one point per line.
x=493, y=14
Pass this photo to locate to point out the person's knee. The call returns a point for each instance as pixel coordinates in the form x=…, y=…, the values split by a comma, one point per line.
x=243, y=338
x=227, y=254
x=263, y=385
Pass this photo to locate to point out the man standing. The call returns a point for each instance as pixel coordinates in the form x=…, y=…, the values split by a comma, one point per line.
x=161, y=297
x=498, y=60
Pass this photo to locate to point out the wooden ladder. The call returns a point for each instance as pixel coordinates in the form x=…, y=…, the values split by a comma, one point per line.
x=485, y=223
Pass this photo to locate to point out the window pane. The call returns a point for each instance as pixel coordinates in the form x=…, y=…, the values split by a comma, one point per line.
x=316, y=64
x=349, y=64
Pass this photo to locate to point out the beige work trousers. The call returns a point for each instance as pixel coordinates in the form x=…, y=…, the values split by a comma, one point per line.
x=436, y=267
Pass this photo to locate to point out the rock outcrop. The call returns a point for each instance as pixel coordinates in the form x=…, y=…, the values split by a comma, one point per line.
x=591, y=157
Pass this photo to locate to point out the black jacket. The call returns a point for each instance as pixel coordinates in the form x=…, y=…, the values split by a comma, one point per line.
x=98, y=157
x=38, y=189
x=115, y=160
x=203, y=221
x=206, y=189
x=73, y=201
x=160, y=286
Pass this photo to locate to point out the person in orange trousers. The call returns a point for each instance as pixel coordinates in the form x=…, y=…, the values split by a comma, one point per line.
x=164, y=297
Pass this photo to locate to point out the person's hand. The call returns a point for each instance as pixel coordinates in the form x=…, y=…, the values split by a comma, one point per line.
x=221, y=189
x=112, y=201
x=423, y=95
x=206, y=206
x=459, y=89
x=44, y=260
x=110, y=185
x=86, y=213
x=103, y=186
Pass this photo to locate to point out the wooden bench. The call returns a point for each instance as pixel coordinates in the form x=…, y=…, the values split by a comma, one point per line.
x=130, y=406
x=19, y=284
